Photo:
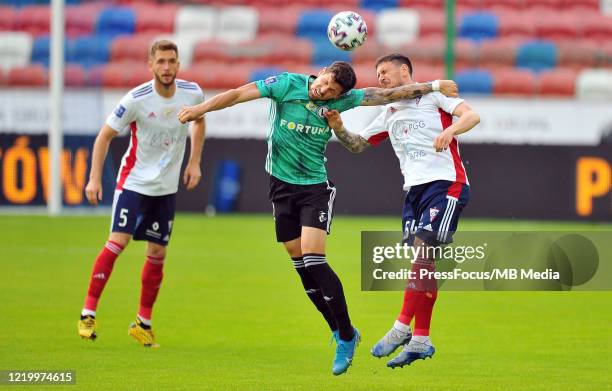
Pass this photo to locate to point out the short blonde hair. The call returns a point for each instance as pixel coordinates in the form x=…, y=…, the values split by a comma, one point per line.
x=163, y=45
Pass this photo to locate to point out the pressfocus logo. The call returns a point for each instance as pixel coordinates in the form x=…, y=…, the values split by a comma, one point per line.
x=520, y=261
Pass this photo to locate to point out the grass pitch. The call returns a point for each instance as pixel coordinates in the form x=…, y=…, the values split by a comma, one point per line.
x=232, y=315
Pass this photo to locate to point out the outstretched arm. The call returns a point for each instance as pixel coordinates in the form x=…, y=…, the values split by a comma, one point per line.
x=226, y=99
x=351, y=141
x=467, y=120
x=381, y=96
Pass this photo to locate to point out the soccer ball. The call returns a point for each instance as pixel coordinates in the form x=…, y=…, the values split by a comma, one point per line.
x=347, y=30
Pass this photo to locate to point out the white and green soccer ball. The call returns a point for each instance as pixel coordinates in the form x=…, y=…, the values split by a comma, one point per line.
x=347, y=30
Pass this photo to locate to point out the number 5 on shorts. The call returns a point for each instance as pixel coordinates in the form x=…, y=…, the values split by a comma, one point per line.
x=123, y=217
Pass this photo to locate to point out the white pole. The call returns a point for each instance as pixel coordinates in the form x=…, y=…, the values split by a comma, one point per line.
x=56, y=75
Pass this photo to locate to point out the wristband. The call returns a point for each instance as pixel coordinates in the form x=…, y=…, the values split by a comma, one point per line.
x=435, y=85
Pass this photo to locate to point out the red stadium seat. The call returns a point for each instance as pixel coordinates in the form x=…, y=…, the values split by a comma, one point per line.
x=7, y=18
x=131, y=48
x=466, y=53
x=498, y=52
x=275, y=19
x=74, y=75
x=259, y=50
x=423, y=72
x=28, y=76
x=368, y=53
x=558, y=25
x=516, y=24
x=34, y=19
x=2, y=77
x=557, y=82
x=366, y=76
x=432, y=24
x=117, y=75
x=579, y=6
x=503, y=5
x=140, y=74
x=430, y=51
x=292, y=52
x=577, y=54
x=597, y=27
x=220, y=76
x=80, y=19
x=512, y=81
x=148, y=18
x=423, y=4
x=545, y=5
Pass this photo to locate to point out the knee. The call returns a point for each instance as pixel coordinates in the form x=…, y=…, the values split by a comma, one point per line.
x=156, y=250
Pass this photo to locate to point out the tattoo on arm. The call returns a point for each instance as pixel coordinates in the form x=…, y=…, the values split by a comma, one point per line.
x=351, y=141
x=381, y=96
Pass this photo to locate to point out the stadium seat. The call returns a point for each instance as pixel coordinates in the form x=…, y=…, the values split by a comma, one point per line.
x=368, y=53
x=2, y=78
x=516, y=24
x=537, y=55
x=545, y=5
x=512, y=81
x=558, y=25
x=117, y=75
x=397, y=27
x=278, y=20
x=594, y=84
x=378, y=5
x=366, y=76
x=597, y=27
x=15, y=49
x=29, y=76
x=324, y=53
x=498, y=52
x=430, y=51
x=557, y=82
x=131, y=48
x=423, y=72
x=90, y=51
x=81, y=19
x=237, y=24
x=7, y=18
x=582, y=6
x=431, y=5
x=312, y=24
x=199, y=21
x=466, y=53
x=290, y=52
x=432, y=24
x=114, y=21
x=148, y=20
x=74, y=76
x=474, y=81
x=140, y=74
x=221, y=76
x=577, y=54
x=478, y=26
x=211, y=51
x=503, y=5
x=34, y=19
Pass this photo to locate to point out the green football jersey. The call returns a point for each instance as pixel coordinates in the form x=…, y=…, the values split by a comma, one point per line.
x=298, y=131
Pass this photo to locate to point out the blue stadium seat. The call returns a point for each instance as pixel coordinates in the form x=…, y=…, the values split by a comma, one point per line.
x=312, y=24
x=537, y=55
x=89, y=51
x=475, y=81
x=115, y=21
x=377, y=5
x=325, y=53
x=264, y=73
x=41, y=51
x=478, y=26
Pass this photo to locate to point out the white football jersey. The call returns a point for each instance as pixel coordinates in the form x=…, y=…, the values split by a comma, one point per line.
x=152, y=163
x=412, y=126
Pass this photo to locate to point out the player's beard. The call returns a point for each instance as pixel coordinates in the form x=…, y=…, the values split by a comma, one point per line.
x=165, y=85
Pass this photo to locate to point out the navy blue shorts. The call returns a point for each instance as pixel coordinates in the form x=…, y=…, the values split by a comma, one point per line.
x=431, y=211
x=144, y=217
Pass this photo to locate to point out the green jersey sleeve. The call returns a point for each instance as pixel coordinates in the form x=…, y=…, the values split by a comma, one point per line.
x=350, y=100
x=274, y=87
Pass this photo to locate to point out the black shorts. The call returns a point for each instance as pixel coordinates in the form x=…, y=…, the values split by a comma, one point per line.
x=297, y=206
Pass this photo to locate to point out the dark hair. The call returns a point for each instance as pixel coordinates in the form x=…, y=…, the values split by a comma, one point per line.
x=163, y=45
x=396, y=58
x=343, y=74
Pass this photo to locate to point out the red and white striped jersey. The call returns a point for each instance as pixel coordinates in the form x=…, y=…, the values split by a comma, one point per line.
x=412, y=126
x=152, y=163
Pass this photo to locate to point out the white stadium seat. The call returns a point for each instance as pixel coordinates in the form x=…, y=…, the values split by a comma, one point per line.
x=237, y=24
x=396, y=27
x=199, y=20
x=594, y=84
x=186, y=43
x=15, y=49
